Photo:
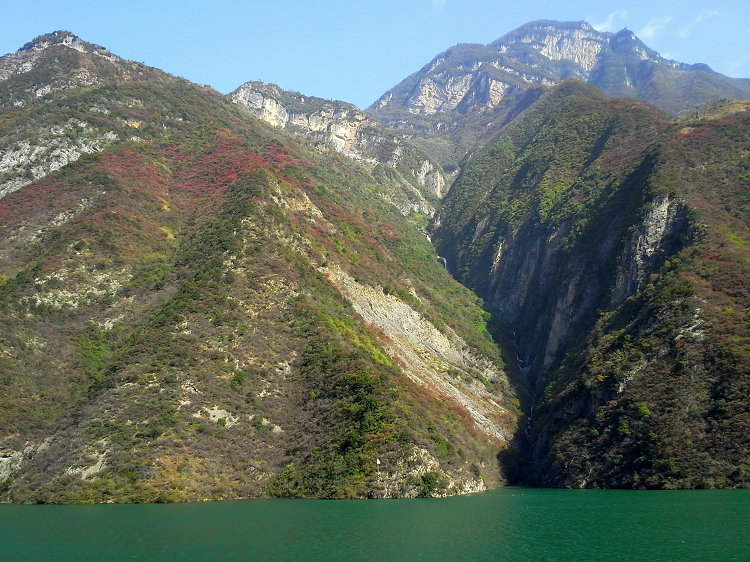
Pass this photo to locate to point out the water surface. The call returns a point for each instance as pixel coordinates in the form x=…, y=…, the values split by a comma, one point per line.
x=505, y=524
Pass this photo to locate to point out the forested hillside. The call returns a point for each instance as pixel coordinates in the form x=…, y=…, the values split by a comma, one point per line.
x=196, y=308
x=610, y=241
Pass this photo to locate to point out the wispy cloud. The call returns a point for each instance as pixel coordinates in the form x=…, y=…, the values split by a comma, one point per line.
x=739, y=67
x=439, y=5
x=609, y=23
x=653, y=27
x=704, y=15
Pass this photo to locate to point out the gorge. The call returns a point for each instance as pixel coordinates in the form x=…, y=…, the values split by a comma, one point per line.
x=220, y=297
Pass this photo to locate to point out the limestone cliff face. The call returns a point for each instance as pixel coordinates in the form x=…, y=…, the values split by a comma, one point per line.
x=579, y=44
x=656, y=236
x=341, y=125
x=345, y=129
x=21, y=162
x=470, y=78
x=548, y=293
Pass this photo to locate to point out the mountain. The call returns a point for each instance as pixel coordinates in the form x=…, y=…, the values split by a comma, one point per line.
x=611, y=241
x=197, y=305
x=470, y=88
x=39, y=71
x=418, y=182
x=214, y=297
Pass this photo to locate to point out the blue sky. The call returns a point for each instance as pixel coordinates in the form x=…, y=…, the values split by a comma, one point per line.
x=356, y=50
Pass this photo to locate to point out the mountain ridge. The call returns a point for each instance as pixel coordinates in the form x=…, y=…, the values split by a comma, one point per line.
x=200, y=304
x=470, y=86
x=180, y=303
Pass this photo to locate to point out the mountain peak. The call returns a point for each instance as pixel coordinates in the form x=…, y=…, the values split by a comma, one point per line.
x=542, y=53
x=543, y=28
x=59, y=37
x=60, y=60
x=35, y=49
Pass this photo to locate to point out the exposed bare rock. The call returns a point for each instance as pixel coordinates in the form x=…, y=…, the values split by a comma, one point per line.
x=664, y=221
x=22, y=162
x=430, y=357
x=342, y=127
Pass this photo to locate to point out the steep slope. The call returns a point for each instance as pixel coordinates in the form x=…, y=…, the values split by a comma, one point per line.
x=36, y=139
x=206, y=307
x=417, y=182
x=468, y=87
x=611, y=243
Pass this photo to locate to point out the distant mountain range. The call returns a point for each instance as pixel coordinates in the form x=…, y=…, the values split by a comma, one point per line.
x=543, y=53
x=469, y=86
x=212, y=297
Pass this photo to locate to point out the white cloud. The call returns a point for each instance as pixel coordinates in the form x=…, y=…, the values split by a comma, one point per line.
x=609, y=23
x=439, y=5
x=653, y=27
x=704, y=15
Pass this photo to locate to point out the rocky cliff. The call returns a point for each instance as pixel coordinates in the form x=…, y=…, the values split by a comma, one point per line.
x=344, y=128
x=573, y=226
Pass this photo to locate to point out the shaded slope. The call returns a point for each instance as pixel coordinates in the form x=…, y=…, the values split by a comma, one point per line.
x=599, y=221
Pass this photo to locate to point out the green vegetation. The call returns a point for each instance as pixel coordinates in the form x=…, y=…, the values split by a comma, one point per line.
x=174, y=336
x=646, y=386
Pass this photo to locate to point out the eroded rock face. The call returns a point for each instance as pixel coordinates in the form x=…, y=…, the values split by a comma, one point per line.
x=339, y=124
x=433, y=359
x=578, y=43
x=21, y=163
x=406, y=479
x=536, y=285
x=344, y=128
x=654, y=238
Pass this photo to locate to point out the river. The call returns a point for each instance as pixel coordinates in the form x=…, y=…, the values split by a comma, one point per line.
x=504, y=524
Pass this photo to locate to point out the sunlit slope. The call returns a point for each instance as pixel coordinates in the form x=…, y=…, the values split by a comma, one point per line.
x=200, y=308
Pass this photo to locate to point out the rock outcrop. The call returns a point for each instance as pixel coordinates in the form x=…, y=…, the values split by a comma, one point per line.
x=345, y=129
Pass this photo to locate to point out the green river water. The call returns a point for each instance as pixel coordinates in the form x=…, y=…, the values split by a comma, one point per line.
x=505, y=524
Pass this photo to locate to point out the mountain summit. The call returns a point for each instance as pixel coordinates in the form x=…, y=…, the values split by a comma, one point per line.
x=468, y=77
x=214, y=297
x=59, y=61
